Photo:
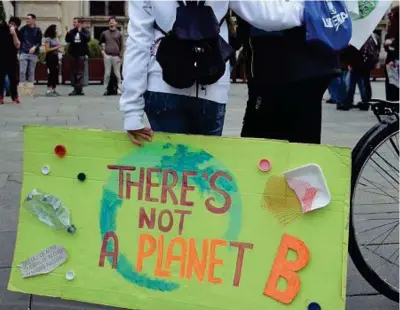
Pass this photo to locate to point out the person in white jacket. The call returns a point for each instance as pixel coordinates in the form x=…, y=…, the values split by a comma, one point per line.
x=187, y=111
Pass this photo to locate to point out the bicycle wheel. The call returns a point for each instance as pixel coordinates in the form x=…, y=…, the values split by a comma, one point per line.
x=374, y=216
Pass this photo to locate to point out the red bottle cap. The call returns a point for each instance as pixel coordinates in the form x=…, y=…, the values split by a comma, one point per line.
x=60, y=150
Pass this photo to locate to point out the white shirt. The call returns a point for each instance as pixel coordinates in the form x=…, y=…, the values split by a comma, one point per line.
x=141, y=70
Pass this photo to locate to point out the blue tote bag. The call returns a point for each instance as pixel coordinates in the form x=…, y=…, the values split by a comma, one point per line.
x=328, y=22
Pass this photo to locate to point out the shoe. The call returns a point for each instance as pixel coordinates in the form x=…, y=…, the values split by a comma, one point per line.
x=16, y=101
x=76, y=93
x=363, y=106
x=56, y=94
x=8, y=94
x=342, y=107
x=50, y=93
x=1, y=100
x=106, y=93
x=331, y=101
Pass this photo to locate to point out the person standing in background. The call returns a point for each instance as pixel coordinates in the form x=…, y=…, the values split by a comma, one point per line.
x=287, y=78
x=111, y=47
x=10, y=43
x=338, y=86
x=31, y=40
x=392, y=49
x=78, y=39
x=51, y=47
x=361, y=63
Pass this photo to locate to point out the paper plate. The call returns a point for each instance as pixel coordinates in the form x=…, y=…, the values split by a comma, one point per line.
x=309, y=184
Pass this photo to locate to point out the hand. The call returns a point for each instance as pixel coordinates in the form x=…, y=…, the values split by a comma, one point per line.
x=388, y=41
x=32, y=50
x=146, y=133
x=391, y=64
x=12, y=30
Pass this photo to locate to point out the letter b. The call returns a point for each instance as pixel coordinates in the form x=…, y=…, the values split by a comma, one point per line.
x=285, y=269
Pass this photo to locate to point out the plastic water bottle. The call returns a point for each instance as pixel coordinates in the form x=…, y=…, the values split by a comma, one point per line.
x=49, y=210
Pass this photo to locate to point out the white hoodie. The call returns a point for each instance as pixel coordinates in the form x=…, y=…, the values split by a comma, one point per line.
x=141, y=70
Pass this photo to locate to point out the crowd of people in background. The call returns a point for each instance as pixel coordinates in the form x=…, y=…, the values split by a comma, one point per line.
x=281, y=69
x=21, y=48
x=356, y=66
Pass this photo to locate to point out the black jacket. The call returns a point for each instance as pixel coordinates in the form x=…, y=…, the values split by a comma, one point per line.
x=78, y=46
x=285, y=56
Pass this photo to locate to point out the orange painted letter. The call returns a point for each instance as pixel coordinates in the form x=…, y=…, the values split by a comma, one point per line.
x=159, y=272
x=285, y=269
x=194, y=262
x=142, y=254
x=177, y=258
x=215, y=261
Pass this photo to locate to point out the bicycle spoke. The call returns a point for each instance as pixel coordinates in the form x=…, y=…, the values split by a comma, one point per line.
x=387, y=236
x=386, y=173
x=370, y=229
x=389, y=164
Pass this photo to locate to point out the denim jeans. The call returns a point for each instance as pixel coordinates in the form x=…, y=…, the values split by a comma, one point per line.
x=183, y=114
x=338, y=88
x=362, y=79
x=27, y=67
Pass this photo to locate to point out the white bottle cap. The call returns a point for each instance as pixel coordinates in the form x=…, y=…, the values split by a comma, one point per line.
x=70, y=275
x=45, y=170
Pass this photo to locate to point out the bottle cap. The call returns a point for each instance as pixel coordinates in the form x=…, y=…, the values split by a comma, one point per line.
x=264, y=165
x=70, y=275
x=314, y=306
x=71, y=229
x=60, y=150
x=45, y=170
x=81, y=176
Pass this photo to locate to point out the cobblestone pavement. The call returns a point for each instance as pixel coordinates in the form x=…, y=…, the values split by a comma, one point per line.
x=96, y=111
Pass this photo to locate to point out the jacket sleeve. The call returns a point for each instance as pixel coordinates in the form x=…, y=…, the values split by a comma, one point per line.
x=69, y=36
x=38, y=40
x=136, y=61
x=85, y=34
x=102, y=39
x=270, y=15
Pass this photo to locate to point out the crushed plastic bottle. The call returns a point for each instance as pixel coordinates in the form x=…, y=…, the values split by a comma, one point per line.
x=49, y=210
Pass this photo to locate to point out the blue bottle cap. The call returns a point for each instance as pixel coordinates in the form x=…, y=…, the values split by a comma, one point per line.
x=81, y=176
x=314, y=306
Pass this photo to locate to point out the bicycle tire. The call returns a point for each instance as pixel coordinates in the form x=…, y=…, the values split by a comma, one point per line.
x=361, y=153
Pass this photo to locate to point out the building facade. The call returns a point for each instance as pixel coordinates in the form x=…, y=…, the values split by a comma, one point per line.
x=61, y=13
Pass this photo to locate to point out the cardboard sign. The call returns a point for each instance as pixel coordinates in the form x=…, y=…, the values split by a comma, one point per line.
x=185, y=222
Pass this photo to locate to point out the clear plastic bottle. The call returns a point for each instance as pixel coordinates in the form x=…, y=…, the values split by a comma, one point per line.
x=49, y=210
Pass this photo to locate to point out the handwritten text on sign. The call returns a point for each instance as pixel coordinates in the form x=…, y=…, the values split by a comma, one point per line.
x=195, y=260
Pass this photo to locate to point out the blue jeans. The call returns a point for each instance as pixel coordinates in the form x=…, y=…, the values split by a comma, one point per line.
x=338, y=88
x=362, y=79
x=182, y=114
x=27, y=67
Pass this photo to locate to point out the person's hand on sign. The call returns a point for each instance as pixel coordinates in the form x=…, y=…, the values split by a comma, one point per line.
x=146, y=133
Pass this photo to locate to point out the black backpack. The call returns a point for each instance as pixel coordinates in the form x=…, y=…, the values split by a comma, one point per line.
x=193, y=51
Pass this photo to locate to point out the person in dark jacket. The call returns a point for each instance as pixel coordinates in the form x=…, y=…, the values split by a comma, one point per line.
x=392, y=49
x=31, y=40
x=10, y=42
x=287, y=78
x=78, y=39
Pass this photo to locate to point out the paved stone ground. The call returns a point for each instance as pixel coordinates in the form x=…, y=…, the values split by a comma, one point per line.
x=95, y=111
